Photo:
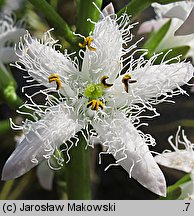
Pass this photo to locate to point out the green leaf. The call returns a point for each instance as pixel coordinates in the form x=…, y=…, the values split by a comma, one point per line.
x=135, y=7
x=53, y=3
x=174, y=191
x=176, y=51
x=155, y=38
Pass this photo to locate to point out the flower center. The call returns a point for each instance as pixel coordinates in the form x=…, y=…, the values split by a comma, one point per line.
x=87, y=42
x=94, y=93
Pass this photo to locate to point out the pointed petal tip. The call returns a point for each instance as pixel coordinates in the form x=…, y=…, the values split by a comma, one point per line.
x=159, y=186
x=108, y=10
x=14, y=169
x=8, y=173
x=162, y=190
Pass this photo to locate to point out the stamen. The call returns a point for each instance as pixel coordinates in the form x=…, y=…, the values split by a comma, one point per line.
x=95, y=104
x=56, y=78
x=126, y=80
x=104, y=83
x=87, y=42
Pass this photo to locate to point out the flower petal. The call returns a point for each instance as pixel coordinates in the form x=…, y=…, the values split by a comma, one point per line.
x=179, y=9
x=172, y=38
x=11, y=35
x=7, y=55
x=41, y=59
x=108, y=40
x=42, y=138
x=165, y=78
x=108, y=10
x=9, y=32
x=130, y=148
x=187, y=27
x=152, y=25
x=10, y=5
x=181, y=160
x=153, y=81
x=45, y=175
x=176, y=12
x=187, y=189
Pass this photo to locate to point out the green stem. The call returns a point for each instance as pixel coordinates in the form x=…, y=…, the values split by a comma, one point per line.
x=61, y=27
x=2, y=2
x=25, y=180
x=78, y=169
x=135, y=7
x=8, y=88
x=53, y=3
x=4, y=126
x=78, y=172
x=85, y=10
x=6, y=77
x=6, y=189
x=14, y=104
x=174, y=191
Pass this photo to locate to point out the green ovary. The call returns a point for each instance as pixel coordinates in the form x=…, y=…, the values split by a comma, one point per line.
x=93, y=91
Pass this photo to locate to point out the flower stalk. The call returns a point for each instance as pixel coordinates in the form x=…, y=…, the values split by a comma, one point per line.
x=6, y=189
x=1, y=2
x=84, y=27
x=78, y=172
x=79, y=164
x=8, y=89
x=4, y=126
x=61, y=27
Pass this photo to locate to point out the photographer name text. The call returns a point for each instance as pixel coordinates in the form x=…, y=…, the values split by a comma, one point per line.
x=70, y=207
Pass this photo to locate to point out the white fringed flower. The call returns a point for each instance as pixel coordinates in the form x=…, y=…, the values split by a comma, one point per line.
x=182, y=158
x=98, y=95
x=45, y=175
x=178, y=13
x=9, y=34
